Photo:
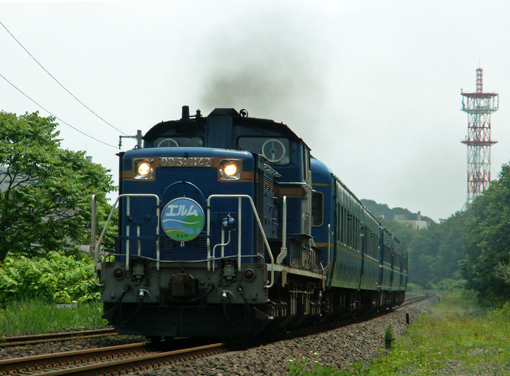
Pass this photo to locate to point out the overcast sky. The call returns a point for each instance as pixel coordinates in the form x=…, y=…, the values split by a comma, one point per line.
x=372, y=86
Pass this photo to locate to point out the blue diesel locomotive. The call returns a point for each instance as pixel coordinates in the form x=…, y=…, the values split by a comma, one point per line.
x=228, y=227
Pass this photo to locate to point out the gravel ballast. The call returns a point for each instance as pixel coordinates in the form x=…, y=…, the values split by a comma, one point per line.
x=336, y=349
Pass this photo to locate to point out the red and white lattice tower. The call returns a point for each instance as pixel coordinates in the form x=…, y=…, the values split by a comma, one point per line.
x=479, y=107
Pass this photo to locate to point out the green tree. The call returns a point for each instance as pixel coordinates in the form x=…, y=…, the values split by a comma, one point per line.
x=46, y=190
x=454, y=230
x=435, y=252
x=487, y=245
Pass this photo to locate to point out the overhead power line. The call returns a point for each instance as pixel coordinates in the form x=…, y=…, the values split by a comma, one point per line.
x=56, y=117
x=63, y=87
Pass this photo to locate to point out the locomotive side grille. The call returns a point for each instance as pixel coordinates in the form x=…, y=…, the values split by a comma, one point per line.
x=269, y=199
x=202, y=243
x=308, y=224
x=269, y=188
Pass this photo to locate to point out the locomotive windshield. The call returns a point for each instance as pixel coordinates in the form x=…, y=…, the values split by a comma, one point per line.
x=276, y=150
x=167, y=142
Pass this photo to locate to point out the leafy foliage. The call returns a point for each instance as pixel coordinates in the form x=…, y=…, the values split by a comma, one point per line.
x=55, y=278
x=46, y=190
x=436, y=252
x=487, y=246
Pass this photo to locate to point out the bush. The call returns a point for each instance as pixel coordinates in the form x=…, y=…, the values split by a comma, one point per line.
x=413, y=287
x=389, y=337
x=55, y=278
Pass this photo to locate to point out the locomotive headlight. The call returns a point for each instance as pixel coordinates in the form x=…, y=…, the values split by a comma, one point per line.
x=144, y=169
x=230, y=169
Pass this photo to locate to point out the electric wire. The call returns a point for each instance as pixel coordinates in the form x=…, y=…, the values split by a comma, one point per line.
x=63, y=87
x=56, y=117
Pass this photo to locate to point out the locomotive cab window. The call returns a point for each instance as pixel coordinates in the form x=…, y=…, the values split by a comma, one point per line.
x=317, y=208
x=276, y=150
x=174, y=142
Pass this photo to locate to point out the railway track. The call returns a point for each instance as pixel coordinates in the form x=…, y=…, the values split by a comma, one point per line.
x=414, y=298
x=106, y=360
x=53, y=337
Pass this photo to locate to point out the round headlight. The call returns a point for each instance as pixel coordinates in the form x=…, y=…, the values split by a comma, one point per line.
x=230, y=169
x=144, y=168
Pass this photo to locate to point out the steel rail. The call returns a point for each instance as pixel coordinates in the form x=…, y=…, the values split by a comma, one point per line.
x=54, y=337
x=106, y=360
x=45, y=361
x=415, y=299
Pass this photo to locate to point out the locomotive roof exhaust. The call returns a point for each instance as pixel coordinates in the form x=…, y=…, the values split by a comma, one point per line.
x=185, y=113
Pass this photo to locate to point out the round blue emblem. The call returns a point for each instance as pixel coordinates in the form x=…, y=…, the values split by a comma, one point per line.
x=183, y=219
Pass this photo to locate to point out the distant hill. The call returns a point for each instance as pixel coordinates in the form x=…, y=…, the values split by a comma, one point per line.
x=383, y=211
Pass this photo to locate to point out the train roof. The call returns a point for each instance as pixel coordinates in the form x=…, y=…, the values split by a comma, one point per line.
x=323, y=169
x=241, y=119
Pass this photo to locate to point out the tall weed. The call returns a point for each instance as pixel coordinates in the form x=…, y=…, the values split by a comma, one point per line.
x=36, y=316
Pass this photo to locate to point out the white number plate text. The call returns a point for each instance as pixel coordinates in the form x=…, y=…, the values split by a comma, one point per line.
x=186, y=162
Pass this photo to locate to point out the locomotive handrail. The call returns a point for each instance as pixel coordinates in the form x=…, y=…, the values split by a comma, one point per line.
x=95, y=247
x=239, y=232
x=93, y=227
x=297, y=183
x=283, y=251
x=328, y=265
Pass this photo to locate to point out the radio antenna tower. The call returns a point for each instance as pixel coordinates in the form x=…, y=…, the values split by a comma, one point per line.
x=479, y=107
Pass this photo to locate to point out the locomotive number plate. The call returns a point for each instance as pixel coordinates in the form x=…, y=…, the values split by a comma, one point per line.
x=186, y=162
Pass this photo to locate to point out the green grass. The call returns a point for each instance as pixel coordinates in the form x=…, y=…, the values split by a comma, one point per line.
x=35, y=317
x=452, y=338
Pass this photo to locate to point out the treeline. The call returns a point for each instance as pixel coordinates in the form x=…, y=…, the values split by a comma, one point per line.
x=470, y=249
